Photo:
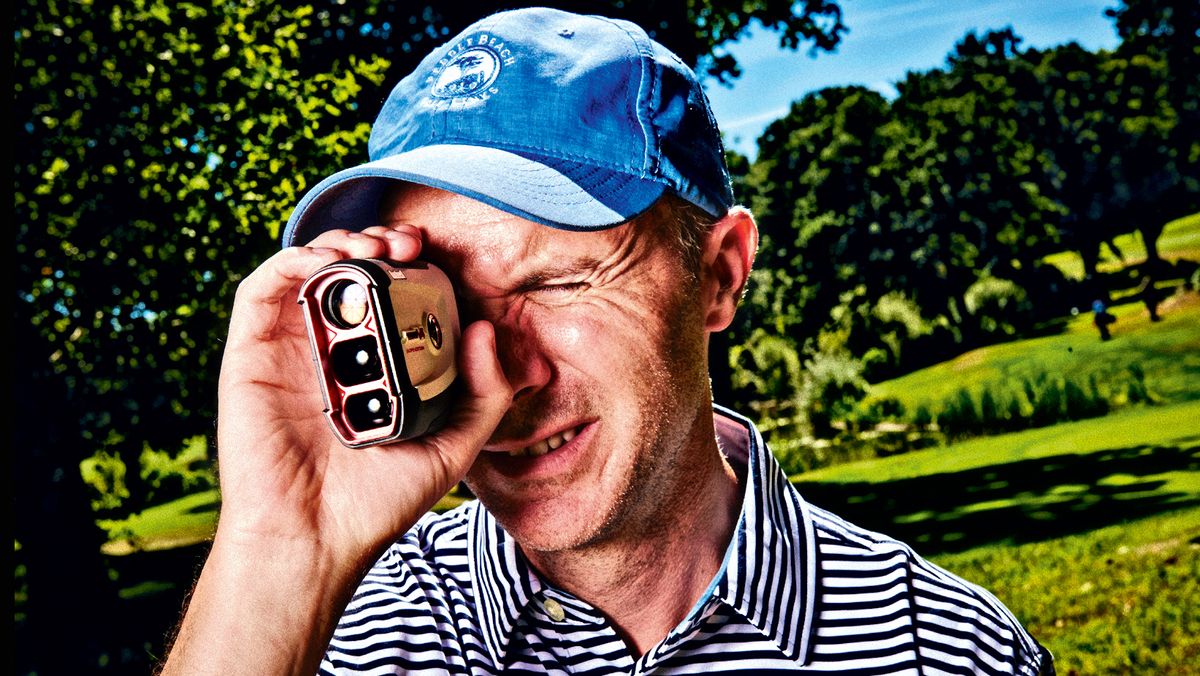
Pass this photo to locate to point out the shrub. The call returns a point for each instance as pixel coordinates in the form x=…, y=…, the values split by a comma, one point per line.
x=922, y=417
x=173, y=475
x=1033, y=402
x=768, y=366
x=871, y=412
x=999, y=306
x=1048, y=405
x=105, y=472
x=959, y=416
x=1136, y=391
x=833, y=384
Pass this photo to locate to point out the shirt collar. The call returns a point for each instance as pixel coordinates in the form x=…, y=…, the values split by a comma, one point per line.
x=768, y=576
x=504, y=581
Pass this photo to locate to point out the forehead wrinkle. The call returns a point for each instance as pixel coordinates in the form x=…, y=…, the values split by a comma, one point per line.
x=500, y=262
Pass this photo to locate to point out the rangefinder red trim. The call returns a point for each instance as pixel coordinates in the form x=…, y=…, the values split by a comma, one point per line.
x=384, y=340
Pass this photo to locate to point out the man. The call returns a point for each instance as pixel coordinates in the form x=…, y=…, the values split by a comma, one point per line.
x=567, y=173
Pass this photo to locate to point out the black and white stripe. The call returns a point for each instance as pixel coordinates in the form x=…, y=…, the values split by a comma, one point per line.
x=799, y=590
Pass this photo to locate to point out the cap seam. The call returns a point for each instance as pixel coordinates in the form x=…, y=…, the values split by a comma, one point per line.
x=648, y=90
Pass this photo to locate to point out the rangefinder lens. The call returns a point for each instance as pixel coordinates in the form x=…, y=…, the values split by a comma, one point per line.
x=356, y=361
x=346, y=303
x=368, y=410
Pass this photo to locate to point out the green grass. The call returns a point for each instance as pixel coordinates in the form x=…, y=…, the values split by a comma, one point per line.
x=1168, y=352
x=1124, y=599
x=1142, y=426
x=1088, y=531
x=178, y=523
x=187, y=521
x=1179, y=239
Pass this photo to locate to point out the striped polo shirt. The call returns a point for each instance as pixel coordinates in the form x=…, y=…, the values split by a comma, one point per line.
x=799, y=590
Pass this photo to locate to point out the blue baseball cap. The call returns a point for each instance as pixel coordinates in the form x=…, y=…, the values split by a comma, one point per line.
x=576, y=122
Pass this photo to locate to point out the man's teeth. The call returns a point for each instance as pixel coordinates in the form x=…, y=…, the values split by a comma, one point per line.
x=545, y=445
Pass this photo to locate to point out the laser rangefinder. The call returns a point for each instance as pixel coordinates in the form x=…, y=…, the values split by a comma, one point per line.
x=384, y=340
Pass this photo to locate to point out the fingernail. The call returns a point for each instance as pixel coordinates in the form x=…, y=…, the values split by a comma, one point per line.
x=399, y=234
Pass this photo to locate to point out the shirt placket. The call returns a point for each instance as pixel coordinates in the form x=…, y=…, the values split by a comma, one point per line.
x=566, y=623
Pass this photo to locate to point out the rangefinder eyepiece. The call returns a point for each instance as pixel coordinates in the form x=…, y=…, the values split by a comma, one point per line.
x=384, y=340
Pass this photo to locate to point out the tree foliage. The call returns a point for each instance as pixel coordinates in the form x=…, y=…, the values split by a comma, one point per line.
x=905, y=230
x=157, y=154
x=159, y=149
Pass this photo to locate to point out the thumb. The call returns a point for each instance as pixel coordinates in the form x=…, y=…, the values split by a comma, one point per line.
x=483, y=400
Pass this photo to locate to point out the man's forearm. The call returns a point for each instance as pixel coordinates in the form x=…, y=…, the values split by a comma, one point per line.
x=266, y=608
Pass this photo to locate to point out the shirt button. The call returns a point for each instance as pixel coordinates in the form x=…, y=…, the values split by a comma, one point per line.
x=554, y=609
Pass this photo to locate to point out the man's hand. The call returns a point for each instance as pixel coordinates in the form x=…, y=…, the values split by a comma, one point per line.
x=302, y=515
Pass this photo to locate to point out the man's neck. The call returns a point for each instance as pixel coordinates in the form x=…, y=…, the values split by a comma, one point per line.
x=647, y=580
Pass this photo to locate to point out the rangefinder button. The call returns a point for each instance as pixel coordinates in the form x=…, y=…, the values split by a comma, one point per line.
x=434, y=329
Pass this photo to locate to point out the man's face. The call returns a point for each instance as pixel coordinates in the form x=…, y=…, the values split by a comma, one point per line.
x=601, y=336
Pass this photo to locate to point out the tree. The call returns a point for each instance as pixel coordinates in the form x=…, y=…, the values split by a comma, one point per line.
x=817, y=207
x=985, y=208
x=1158, y=105
x=156, y=157
x=159, y=149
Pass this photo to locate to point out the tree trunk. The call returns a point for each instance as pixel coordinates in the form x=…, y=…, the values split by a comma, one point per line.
x=1150, y=235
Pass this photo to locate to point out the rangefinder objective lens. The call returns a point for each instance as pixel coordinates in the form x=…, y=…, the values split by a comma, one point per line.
x=346, y=303
x=368, y=410
x=356, y=361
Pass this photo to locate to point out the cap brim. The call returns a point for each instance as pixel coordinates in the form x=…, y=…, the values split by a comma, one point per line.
x=561, y=194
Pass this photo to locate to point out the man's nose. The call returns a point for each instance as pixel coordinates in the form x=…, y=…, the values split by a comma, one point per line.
x=522, y=357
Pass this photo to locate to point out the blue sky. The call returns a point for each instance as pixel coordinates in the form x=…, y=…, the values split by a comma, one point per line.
x=887, y=39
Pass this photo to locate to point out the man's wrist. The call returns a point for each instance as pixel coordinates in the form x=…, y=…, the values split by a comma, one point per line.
x=273, y=601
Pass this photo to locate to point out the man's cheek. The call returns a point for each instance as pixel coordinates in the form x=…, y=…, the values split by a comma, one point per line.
x=563, y=337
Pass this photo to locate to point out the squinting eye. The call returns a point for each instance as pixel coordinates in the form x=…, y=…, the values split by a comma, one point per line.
x=562, y=288
x=562, y=292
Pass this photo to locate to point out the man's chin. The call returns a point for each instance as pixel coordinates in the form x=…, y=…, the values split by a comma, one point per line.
x=548, y=524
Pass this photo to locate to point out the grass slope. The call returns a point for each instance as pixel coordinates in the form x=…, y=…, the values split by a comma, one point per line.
x=1168, y=352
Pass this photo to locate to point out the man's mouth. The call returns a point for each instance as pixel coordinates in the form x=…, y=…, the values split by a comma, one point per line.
x=544, y=446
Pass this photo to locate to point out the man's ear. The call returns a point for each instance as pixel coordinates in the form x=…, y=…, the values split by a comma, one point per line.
x=725, y=263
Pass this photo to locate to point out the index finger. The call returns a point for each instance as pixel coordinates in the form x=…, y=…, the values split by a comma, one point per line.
x=400, y=243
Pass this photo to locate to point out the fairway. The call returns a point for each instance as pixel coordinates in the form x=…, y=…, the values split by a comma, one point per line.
x=1179, y=239
x=1031, y=485
x=1089, y=531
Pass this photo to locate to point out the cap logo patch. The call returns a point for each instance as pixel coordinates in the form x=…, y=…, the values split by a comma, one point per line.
x=470, y=69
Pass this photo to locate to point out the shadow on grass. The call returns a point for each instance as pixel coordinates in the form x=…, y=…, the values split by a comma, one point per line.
x=1016, y=502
